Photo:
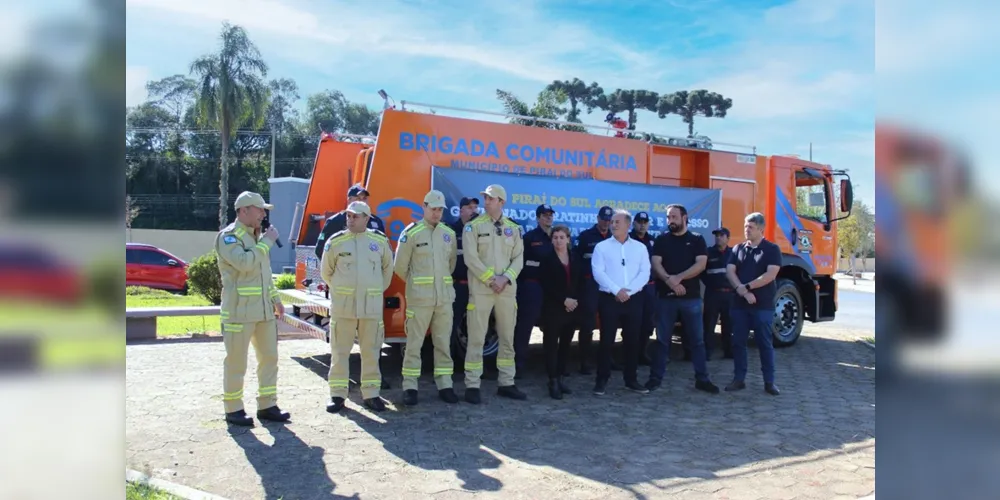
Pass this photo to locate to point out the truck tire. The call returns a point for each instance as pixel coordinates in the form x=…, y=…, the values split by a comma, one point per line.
x=460, y=339
x=789, y=315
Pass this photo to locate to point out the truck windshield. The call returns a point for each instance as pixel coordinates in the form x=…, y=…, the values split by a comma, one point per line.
x=811, y=196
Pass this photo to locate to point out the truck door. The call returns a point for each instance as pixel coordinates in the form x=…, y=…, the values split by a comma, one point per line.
x=802, y=216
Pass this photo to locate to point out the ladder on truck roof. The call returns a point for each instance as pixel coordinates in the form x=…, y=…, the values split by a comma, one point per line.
x=651, y=138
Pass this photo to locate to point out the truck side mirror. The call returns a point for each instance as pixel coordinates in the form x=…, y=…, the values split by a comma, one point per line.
x=846, y=195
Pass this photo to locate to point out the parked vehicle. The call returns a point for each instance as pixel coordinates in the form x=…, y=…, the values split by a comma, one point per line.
x=29, y=272
x=576, y=173
x=149, y=266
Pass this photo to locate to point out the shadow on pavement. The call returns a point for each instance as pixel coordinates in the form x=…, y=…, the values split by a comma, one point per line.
x=289, y=468
x=625, y=439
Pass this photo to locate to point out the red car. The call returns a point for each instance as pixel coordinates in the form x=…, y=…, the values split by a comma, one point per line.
x=33, y=273
x=149, y=266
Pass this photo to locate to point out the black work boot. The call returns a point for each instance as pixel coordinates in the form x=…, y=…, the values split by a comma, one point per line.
x=736, y=385
x=274, y=414
x=375, y=404
x=410, y=397
x=554, y=391
x=563, y=387
x=336, y=404
x=771, y=389
x=448, y=395
x=239, y=417
x=705, y=385
x=472, y=395
x=511, y=391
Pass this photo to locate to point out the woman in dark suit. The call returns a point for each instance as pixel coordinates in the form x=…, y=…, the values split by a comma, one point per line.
x=561, y=271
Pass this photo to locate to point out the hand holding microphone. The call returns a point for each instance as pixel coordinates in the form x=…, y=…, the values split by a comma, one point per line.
x=270, y=231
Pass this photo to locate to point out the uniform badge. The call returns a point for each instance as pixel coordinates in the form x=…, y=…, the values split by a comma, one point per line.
x=508, y=232
x=229, y=239
x=468, y=229
x=373, y=246
x=447, y=238
x=402, y=239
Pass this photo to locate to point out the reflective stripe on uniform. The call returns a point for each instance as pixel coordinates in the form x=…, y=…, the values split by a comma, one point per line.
x=344, y=290
x=339, y=383
x=232, y=327
x=474, y=366
x=249, y=290
x=441, y=372
x=268, y=391
x=505, y=361
x=410, y=313
x=371, y=383
x=411, y=372
x=232, y=396
x=486, y=275
x=375, y=291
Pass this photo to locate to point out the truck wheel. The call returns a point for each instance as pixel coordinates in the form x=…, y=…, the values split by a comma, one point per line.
x=460, y=341
x=789, y=315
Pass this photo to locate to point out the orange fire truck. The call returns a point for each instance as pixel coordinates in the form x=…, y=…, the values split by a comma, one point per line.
x=801, y=199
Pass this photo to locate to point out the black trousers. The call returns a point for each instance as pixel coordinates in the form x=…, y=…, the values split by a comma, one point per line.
x=587, y=311
x=717, y=304
x=627, y=316
x=558, y=327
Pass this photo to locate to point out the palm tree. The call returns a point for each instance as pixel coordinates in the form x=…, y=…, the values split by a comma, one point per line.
x=231, y=92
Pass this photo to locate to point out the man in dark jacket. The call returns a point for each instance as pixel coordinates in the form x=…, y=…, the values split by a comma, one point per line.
x=586, y=242
x=468, y=210
x=718, y=294
x=537, y=246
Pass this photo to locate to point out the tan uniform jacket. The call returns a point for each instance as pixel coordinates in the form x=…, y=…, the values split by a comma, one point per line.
x=425, y=258
x=492, y=248
x=248, y=292
x=358, y=269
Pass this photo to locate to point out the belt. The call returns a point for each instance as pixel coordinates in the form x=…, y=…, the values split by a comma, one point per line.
x=721, y=290
x=462, y=282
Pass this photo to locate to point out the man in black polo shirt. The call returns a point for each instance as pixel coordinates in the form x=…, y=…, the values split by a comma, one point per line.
x=752, y=268
x=718, y=294
x=679, y=256
x=468, y=210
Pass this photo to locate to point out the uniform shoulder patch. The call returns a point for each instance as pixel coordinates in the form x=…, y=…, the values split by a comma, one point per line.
x=229, y=239
x=468, y=228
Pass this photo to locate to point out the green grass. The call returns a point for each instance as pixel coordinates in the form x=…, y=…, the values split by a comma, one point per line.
x=140, y=491
x=165, y=327
x=870, y=340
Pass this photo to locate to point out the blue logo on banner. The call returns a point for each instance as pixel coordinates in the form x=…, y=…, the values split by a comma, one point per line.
x=397, y=213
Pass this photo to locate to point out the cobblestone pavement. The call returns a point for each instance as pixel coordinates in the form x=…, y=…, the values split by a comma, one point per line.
x=815, y=440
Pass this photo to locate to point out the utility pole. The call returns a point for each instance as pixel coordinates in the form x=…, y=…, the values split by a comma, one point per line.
x=810, y=156
x=272, y=153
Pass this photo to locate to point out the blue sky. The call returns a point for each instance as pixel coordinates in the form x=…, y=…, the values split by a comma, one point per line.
x=798, y=72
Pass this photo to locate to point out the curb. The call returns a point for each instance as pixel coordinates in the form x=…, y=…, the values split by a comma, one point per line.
x=872, y=346
x=172, y=488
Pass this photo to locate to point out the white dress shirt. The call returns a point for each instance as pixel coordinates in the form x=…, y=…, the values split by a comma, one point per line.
x=618, y=265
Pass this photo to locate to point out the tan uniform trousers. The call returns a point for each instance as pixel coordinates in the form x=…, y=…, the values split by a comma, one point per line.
x=504, y=307
x=440, y=320
x=237, y=338
x=370, y=333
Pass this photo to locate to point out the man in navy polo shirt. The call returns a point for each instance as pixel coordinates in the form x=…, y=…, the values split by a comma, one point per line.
x=753, y=266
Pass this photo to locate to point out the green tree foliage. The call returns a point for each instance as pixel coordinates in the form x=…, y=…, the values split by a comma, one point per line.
x=693, y=103
x=205, y=279
x=548, y=105
x=856, y=234
x=231, y=92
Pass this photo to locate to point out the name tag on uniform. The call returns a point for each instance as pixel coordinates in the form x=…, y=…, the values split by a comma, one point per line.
x=532, y=263
x=229, y=239
x=421, y=245
x=344, y=254
x=483, y=234
x=536, y=243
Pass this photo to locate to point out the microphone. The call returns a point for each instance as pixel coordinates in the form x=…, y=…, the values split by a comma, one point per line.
x=266, y=223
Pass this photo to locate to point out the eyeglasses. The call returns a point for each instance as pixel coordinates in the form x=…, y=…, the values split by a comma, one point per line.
x=497, y=226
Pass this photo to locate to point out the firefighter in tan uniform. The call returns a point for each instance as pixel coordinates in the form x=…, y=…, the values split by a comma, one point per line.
x=494, y=253
x=250, y=305
x=425, y=258
x=357, y=266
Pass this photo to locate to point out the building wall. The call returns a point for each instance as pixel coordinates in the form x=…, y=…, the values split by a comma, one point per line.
x=187, y=245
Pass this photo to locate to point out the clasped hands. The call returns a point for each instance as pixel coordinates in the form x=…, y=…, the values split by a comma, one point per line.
x=675, y=284
x=498, y=283
x=744, y=291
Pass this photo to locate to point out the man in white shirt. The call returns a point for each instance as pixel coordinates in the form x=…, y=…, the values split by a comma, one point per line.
x=621, y=269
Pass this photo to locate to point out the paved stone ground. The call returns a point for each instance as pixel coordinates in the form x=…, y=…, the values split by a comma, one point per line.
x=816, y=440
